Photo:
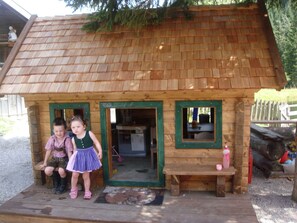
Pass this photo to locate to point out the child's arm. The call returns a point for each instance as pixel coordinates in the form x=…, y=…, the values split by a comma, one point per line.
x=69, y=147
x=47, y=155
x=69, y=154
x=74, y=146
x=97, y=144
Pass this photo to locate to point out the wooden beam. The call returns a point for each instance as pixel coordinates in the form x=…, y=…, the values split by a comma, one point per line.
x=16, y=48
x=241, y=140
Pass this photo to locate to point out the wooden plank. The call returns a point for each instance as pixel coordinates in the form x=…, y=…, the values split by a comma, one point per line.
x=276, y=174
x=37, y=204
x=38, y=166
x=144, y=96
x=190, y=169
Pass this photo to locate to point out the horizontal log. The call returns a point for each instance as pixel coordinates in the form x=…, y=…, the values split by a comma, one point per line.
x=270, y=149
x=265, y=133
x=265, y=165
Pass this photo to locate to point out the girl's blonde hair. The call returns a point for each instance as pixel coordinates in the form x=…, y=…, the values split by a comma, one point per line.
x=78, y=118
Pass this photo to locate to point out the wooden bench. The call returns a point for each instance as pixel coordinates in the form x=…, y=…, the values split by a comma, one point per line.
x=41, y=169
x=48, y=180
x=176, y=170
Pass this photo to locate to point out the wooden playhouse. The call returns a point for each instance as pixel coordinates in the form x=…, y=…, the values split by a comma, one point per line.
x=165, y=96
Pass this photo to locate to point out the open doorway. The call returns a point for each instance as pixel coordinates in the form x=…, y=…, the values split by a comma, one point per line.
x=131, y=144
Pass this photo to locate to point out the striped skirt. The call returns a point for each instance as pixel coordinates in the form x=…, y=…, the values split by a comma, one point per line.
x=84, y=160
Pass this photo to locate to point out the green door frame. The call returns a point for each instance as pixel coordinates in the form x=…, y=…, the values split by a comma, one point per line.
x=160, y=141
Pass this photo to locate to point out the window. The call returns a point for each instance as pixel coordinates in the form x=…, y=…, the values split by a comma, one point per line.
x=68, y=110
x=4, y=52
x=198, y=124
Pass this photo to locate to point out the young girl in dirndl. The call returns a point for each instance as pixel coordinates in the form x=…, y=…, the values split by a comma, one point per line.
x=85, y=158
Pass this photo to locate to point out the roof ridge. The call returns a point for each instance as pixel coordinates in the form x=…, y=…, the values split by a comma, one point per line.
x=62, y=17
x=192, y=8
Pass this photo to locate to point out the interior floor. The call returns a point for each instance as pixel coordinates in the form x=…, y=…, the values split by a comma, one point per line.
x=134, y=169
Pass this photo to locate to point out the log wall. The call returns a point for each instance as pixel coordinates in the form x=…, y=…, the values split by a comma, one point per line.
x=236, y=117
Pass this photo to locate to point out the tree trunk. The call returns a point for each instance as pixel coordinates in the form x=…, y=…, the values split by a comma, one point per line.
x=286, y=132
x=261, y=163
x=271, y=150
x=294, y=193
x=265, y=133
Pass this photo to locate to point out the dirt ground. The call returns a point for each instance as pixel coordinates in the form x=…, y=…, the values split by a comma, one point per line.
x=271, y=198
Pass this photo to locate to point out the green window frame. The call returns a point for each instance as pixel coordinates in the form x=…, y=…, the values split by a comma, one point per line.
x=181, y=143
x=81, y=105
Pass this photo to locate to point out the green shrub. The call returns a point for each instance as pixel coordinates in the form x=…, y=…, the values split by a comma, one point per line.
x=5, y=125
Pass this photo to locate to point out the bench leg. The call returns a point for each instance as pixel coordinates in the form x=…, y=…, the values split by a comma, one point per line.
x=221, y=186
x=175, y=185
x=43, y=177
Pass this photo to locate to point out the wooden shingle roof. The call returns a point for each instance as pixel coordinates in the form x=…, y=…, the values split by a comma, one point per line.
x=221, y=48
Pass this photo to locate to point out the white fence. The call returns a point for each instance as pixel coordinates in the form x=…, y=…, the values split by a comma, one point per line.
x=271, y=110
x=12, y=105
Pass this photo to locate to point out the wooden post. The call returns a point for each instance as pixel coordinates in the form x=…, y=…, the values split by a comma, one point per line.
x=242, y=139
x=35, y=141
x=175, y=185
x=221, y=186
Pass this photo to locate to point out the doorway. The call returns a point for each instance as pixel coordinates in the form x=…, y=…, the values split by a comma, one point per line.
x=132, y=142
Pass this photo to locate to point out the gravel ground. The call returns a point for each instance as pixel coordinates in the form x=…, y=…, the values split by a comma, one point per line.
x=271, y=198
x=15, y=161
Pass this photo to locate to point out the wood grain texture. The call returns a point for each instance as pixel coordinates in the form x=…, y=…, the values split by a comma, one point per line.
x=38, y=204
x=218, y=49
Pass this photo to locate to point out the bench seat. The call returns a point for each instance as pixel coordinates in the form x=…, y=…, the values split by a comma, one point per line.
x=176, y=170
x=41, y=169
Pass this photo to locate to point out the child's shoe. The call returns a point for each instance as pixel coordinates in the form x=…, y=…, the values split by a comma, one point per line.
x=88, y=195
x=73, y=193
x=61, y=189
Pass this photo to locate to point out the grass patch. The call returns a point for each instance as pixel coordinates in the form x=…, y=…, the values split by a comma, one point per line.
x=5, y=125
x=285, y=95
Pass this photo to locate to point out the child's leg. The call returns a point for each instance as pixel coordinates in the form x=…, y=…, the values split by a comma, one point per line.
x=87, y=184
x=87, y=181
x=49, y=170
x=62, y=172
x=74, y=190
x=63, y=183
x=74, y=180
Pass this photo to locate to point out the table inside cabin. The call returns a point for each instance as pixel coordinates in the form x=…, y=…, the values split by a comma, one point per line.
x=204, y=127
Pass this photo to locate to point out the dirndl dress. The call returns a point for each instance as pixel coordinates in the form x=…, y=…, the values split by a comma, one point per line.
x=84, y=159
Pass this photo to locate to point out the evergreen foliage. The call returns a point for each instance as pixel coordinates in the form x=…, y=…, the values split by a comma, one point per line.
x=136, y=13
x=284, y=23
x=140, y=13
